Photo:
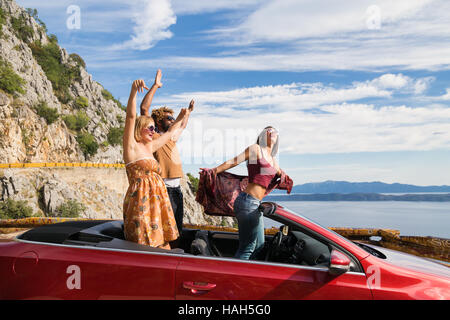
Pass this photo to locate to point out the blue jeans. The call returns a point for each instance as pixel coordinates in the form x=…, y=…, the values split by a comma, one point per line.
x=250, y=223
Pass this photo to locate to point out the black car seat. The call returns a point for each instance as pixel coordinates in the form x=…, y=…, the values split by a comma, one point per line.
x=200, y=245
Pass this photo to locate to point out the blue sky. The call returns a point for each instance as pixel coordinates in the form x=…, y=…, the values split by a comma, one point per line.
x=359, y=90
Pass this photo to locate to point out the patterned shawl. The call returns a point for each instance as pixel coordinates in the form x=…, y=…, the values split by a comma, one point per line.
x=217, y=193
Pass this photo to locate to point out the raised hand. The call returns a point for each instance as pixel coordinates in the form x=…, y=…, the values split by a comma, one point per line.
x=191, y=106
x=181, y=114
x=139, y=86
x=158, y=77
x=214, y=170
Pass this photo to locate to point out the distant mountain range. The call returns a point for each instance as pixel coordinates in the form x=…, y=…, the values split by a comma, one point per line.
x=344, y=187
x=443, y=197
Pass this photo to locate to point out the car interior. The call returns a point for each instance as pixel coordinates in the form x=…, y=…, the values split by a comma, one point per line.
x=289, y=245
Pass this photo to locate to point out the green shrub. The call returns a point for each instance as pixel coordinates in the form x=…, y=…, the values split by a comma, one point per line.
x=21, y=28
x=77, y=122
x=115, y=136
x=81, y=103
x=34, y=14
x=26, y=138
x=75, y=57
x=60, y=75
x=70, y=208
x=120, y=119
x=108, y=96
x=13, y=209
x=49, y=114
x=2, y=20
x=87, y=143
x=194, y=182
x=10, y=82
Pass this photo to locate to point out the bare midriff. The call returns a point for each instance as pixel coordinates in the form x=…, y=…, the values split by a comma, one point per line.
x=255, y=190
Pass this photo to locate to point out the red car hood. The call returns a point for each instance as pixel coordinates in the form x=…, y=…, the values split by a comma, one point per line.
x=413, y=262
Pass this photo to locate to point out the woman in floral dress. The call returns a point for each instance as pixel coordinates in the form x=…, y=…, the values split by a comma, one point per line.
x=147, y=212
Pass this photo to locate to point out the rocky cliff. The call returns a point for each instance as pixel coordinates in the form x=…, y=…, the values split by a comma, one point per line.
x=51, y=110
x=39, y=115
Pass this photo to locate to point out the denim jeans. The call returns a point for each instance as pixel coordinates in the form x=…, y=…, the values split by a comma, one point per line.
x=250, y=223
x=176, y=200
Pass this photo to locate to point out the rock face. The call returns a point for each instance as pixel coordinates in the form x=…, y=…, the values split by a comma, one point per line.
x=100, y=190
x=28, y=136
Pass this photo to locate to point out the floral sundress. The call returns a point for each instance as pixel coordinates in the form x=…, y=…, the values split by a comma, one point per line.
x=147, y=213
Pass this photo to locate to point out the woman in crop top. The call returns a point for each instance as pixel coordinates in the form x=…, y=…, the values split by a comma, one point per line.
x=262, y=168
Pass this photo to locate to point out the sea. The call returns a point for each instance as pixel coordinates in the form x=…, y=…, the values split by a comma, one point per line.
x=411, y=218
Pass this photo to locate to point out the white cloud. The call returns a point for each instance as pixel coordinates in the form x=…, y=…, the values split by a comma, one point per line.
x=294, y=19
x=334, y=35
x=444, y=97
x=202, y=6
x=330, y=57
x=346, y=128
x=399, y=81
x=302, y=96
x=152, y=19
x=314, y=118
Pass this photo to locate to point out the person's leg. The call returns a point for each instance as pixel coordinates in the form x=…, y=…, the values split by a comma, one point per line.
x=179, y=212
x=247, y=214
x=174, y=197
x=260, y=237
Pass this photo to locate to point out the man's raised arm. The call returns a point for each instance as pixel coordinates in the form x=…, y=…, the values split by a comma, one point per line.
x=147, y=101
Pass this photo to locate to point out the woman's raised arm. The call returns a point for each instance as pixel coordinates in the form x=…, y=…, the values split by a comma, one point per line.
x=250, y=153
x=128, y=134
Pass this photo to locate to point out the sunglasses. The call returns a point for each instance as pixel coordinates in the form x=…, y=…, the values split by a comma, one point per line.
x=170, y=118
x=151, y=128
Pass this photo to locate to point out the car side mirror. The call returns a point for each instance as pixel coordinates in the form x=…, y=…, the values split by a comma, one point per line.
x=339, y=263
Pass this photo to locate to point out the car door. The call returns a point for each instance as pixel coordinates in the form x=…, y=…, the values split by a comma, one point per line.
x=225, y=278
x=65, y=272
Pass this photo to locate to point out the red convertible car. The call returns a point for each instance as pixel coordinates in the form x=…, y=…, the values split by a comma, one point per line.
x=92, y=260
